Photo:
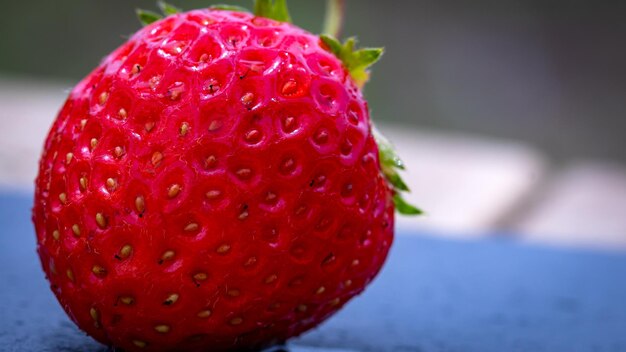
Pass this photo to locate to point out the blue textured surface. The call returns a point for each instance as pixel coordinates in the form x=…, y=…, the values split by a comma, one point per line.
x=433, y=295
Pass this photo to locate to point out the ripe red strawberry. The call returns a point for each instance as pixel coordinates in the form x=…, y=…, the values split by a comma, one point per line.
x=215, y=183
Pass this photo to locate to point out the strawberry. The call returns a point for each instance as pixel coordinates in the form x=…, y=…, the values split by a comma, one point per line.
x=215, y=183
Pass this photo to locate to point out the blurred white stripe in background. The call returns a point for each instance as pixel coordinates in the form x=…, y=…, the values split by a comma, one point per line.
x=584, y=205
x=27, y=109
x=464, y=184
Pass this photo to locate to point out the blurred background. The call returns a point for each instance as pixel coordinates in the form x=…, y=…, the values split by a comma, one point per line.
x=511, y=115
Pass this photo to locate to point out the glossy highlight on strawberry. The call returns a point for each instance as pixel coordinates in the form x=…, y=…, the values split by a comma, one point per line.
x=213, y=185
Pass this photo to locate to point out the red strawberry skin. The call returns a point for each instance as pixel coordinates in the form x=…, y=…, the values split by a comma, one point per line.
x=213, y=184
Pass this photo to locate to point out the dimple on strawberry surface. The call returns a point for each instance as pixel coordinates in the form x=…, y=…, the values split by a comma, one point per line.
x=213, y=184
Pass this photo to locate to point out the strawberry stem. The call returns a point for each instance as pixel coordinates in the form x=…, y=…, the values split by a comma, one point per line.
x=333, y=20
x=274, y=9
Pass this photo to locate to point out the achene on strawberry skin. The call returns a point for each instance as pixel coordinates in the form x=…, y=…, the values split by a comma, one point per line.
x=215, y=184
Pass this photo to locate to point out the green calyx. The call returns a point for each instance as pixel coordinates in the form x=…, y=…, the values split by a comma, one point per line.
x=274, y=9
x=167, y=9
x=405, y=208
x=146, y=17
x=391, y=164
x=356, y=61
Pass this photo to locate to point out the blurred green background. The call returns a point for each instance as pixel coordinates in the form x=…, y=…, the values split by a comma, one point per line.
x=551, y=73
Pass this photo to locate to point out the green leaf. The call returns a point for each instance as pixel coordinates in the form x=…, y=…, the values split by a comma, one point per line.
x=167, y=9
x=333, y=44
x=362, y=60
x=274, y=9
x=388, y=155
x=146, y=17
x=405, y=208
x=394, y=178
x=390, y=163
x=229, y=8
x=356, y=62
x=368, y=56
